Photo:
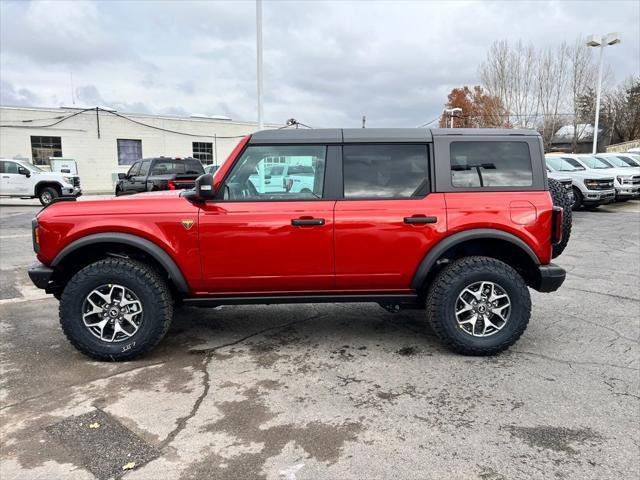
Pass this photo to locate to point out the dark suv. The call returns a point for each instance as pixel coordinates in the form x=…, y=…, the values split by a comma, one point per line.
x=459, y=222
x=162, y=173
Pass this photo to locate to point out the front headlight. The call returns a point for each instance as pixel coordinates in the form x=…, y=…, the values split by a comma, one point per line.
x=68, y=180
x=623, y=180
x=591, y=184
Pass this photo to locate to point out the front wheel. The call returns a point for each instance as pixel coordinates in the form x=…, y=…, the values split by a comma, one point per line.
x=478, y=306
x=116, y=309
x=47, y=195
x=577, y=199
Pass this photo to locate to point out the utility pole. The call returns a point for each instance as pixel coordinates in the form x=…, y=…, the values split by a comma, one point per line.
x=259, y=66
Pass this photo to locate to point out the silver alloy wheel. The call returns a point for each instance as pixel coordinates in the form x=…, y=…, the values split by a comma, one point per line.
x=482, y=309
x=46, y=197
x=112, y=313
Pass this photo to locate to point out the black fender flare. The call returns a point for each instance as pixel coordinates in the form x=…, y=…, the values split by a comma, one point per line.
x=445, y=244
x=47, y=183
x=159, y=254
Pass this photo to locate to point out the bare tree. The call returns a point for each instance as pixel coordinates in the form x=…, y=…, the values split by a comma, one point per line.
x=581, y=77
x=552, y=67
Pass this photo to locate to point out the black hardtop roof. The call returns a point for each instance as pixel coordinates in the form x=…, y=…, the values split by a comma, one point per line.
x=355, y=135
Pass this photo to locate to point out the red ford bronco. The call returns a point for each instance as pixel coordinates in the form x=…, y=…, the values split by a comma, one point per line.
x=458, y=222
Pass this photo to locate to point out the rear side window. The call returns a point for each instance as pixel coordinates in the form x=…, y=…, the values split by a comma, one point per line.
x=384, y=171
x=491, y=164
x=144, y=168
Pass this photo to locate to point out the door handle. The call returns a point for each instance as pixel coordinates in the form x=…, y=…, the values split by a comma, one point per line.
x=305, y=222
x=6, y=176
x=420, y=219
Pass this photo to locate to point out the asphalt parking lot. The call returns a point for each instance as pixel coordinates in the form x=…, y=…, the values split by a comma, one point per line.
x=333, y=391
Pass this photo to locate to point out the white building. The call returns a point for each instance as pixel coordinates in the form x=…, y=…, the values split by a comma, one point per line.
x=104, y=142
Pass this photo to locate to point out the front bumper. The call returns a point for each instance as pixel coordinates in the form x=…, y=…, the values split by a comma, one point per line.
x=71, y=191
x=627, y=192
x=593, y=197
x=551, y=277
x=40, y=275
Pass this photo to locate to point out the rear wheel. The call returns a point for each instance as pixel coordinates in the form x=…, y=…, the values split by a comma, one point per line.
x=478, y=306
x=47, y=195
x=561, y=199
x=116, y=309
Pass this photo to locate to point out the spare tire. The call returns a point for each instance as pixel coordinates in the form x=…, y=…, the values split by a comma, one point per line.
x=561, y=199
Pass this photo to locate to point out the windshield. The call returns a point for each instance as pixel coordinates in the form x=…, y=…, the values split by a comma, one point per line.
x=615, y=161
x=595, y=162
x=31, y=167
x=563, y=164
x=629, y=161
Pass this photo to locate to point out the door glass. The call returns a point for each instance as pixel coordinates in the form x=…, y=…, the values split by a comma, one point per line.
x=384, y=171
x=282, y=172
x=144, y=168
x=10, y=167
x=133, y=171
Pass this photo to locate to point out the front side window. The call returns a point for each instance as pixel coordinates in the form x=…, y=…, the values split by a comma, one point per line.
x=42, y=148
x=134, y=170
x=203, y=151
x=9, y=167
x=384, y=171
x=129, y=151
x=302, y=176
x=490, y=164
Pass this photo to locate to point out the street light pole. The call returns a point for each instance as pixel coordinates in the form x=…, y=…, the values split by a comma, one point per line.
x=259, y=66
x=600, y=41
x=451, y=111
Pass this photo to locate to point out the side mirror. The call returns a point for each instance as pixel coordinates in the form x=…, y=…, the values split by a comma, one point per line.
x=122, y=176
x=204, y=188
x=24, y=171
x=267, y=177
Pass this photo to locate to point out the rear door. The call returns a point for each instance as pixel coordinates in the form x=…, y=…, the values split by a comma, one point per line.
x=387, y=219
x=255, y=240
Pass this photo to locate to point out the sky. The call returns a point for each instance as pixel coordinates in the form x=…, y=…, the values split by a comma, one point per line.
x=326, y=64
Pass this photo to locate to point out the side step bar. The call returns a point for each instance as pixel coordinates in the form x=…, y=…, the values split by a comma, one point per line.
x=280, y=299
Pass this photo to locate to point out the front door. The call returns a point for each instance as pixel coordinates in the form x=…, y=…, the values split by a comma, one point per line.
x=388, y=219
x=259, y=241
x=128, y=182
x=12, y=182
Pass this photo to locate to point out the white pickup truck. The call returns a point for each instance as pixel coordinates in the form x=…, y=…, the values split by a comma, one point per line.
x=22, y=179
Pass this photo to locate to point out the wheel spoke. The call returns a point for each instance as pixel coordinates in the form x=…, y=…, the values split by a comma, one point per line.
x=112, y=313
x=482, y=308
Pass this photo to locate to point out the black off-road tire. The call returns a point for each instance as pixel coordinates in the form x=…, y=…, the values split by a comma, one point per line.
x=150, y=288
x=452, y=280
x=561, y=199
x=47, y=195
x=577, y=199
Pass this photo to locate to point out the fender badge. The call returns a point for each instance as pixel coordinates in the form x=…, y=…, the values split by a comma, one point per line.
x=187, y=223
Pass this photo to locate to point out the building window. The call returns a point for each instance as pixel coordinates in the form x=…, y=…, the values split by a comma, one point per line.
x=44, y=147
x=129, y=151
x=203, y=151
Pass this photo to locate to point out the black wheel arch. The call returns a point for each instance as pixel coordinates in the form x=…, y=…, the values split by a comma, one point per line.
x=44, y=184
x=479, y=241
x=130, y=241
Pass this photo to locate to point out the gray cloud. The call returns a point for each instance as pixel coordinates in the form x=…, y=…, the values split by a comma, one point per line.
x=20, y=97
x=326, y=64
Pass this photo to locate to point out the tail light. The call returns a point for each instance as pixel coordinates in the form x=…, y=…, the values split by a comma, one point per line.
x=35, y=232
x=171, y=184
x=556, y=225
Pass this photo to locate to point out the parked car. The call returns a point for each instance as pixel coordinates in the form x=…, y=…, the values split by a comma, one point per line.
x=284, y=178
x=161, y=173
x=22, y=179
x=626, y=180
x=621, y=160
x=590, y=188
x=565, y=182
x=460, y=225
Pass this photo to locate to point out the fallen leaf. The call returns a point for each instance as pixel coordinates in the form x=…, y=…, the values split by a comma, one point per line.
x=94, y=425
x=129, y=466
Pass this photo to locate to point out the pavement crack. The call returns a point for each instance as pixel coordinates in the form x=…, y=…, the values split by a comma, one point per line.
x=206, y=379
x=621, y=297
x=570, y=363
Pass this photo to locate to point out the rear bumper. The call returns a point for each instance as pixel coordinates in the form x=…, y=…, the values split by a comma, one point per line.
x=40, y=275
x=551, y=277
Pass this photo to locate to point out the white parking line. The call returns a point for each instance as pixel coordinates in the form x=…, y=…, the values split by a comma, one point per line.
x=24, y=235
